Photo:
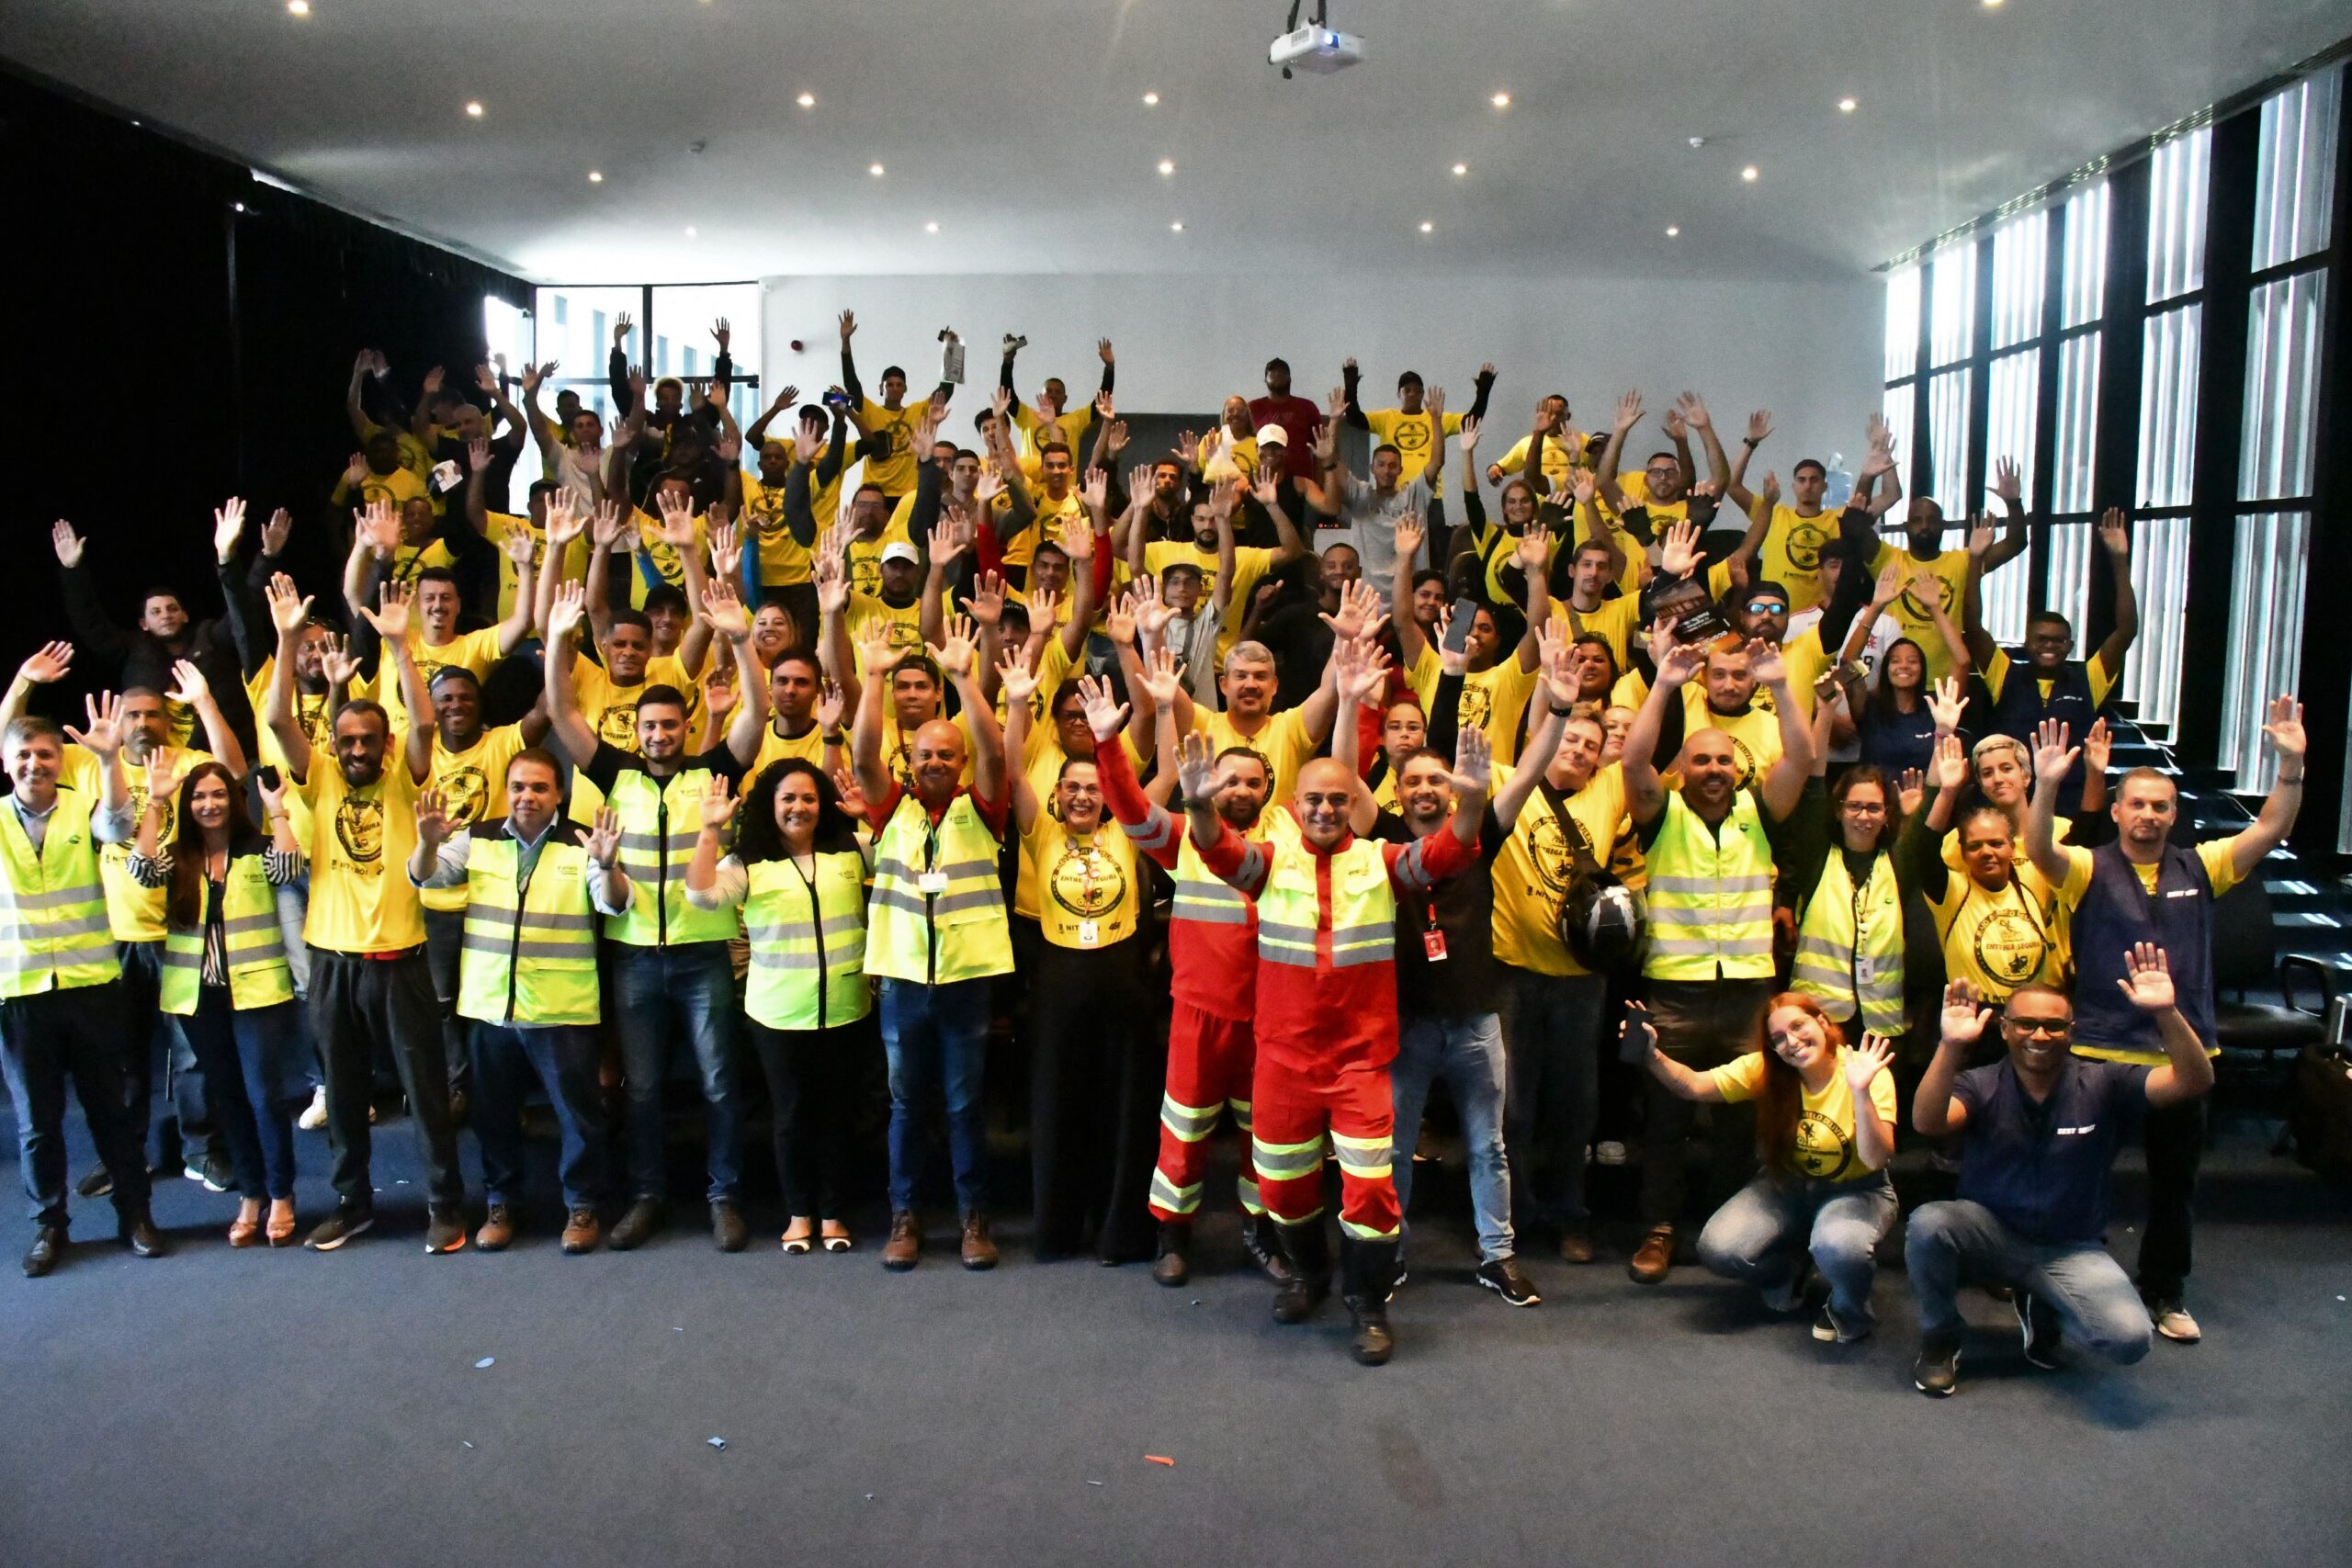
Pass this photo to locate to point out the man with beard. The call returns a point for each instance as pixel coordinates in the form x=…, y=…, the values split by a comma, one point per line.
x=1799, y=538
x=2146, y=890
x=1298, y=419
x=371, y=987
x=891, y=425
x=1415, y=431
x=1934, y=569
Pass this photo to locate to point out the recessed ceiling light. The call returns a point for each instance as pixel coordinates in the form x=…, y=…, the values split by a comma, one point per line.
x=1168, y=165
x=1151, y=100
x=236, y=207
x=875, y=169
x=1502, y=100
x=1749, y=174
x=930, y=227
x=1674, y=230
x=1847, y=105
x=299, y=8
x=596, y=176
x=474, y=109
x=806, y=100
x=1992, y=5
x=1427, y=227
x=690, y=230
x=1461, y=169
x=1176, y=228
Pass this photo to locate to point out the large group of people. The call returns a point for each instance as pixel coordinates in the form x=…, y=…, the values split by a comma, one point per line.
x=1603, y=791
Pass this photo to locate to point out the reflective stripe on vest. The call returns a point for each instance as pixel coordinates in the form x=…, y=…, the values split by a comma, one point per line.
x=1204, y=896
x=1290, y=915
x=808, y=942
x=531, y=960
x=1710, y=895
x=56, y=934
x=255, y=946
x=1839, y=967
x=959, y=933
x=659, y=829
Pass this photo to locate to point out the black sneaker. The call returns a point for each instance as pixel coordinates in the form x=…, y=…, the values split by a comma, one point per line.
x=727, y=1226
x=445, y=1230
x=213, y=1171
x=1937, y=1371
x=98, y=1184
x=1827, y=1328
x=348, y=1221
x=2038, y=1328
x=1504, y=1277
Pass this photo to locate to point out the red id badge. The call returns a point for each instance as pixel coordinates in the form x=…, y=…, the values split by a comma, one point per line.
x=1433, y=943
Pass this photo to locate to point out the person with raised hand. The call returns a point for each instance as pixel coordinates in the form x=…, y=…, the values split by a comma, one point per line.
x=1996, y=914
x=1505, y=664
x=2146, y=889
x=2038, y=1131
x=937, y=931
x=63, y=1015
x=1825, y=1126
x=671, y=980
x=889, y=424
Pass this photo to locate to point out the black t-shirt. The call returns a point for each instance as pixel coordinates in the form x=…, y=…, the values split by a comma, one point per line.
x=1464, y=982
x=1300, y=640
x=610, y=763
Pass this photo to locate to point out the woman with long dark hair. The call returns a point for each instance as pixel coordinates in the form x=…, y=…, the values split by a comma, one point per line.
x=1825, y=1129
x=799, y=872
x=225, y=975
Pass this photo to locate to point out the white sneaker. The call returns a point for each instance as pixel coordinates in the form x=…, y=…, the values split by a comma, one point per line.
x=2172, y=1321
x=1609, y=1151
x=314, y=1115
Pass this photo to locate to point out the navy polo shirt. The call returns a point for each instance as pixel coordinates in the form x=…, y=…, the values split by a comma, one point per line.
x=2042, y=1169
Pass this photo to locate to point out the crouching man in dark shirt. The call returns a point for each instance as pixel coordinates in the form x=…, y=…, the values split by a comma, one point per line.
x=2038, y=1133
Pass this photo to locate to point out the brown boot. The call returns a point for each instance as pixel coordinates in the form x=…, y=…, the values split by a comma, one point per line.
x=497, y=1231
x=1575, y=1245
x=905, y=1244
x=1654, y=1256
x=581, y=1232
x=979, y=1252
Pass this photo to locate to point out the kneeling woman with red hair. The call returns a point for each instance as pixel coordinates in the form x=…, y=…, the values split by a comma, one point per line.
x=1825, y=1128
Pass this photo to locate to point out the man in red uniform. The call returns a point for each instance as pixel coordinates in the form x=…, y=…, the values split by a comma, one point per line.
x=1212, y=950
x=1327, y=1014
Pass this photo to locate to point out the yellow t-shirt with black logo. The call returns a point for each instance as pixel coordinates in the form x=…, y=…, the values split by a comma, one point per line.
x=361, y=899
x=312, y=711
x=1614, y=623
x=894, y=472
x=1791, y=553
x=1999, y=941
x=1557, y=462
x=863, y=557
x=904, y=621
x=1635, y=488
x=1073, y=423
x=1533, y=873
x=504, y=525
x=1411, y=434
x=1041, y=763
x=1912, y=613
x=133, y=913
x=1088, y=885
x=1282, y=742
x=475, y=652
x=1825, y=1148
x=1755, y=734
x=1494, y=699
x=783, y=560
x=665, y=555
x=1051, y=514
x=473, y=791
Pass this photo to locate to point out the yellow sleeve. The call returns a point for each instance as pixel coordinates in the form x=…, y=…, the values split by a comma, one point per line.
x=1718, y=575
x=2219, y=856
x=2078, y=876
x=1883, y=1098
x=2102, y=682
x=1740, y=1077
x=1996, y=672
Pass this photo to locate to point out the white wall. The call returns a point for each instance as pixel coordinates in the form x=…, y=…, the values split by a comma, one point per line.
x=1809, y=352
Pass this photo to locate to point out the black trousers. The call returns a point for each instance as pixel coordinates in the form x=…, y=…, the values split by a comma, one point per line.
x=358, y=1004
x=1094, y=1103
x=1702, y=1024
x=2175, y=1140
x=45, y=1039
x=445, y=934
x=812, y=1076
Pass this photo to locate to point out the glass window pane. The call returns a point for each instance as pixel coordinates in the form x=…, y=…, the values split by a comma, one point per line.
x=2266, y=637
x=1902, y=323
x=2159, y=566
x=2020, y=260
x=1953, y=302
x=1897, y=413
x=2071, y=471
x=2177, y=215
x=688, y=315
x=2296, y=171
x=2169, y=407
x=2071, y=544
x=1948, y=442
x=575, y=331
x=2013, y=395
x=2082, y=275
x=2283, y=323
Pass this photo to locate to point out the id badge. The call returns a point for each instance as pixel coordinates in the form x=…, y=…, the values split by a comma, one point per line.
x=1433, y=943
x=932, y=883
x=1089, y=933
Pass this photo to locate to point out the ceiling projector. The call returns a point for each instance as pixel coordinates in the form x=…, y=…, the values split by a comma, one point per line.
x=1318, y=49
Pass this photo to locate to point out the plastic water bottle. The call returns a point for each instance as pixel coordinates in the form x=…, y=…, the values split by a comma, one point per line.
x=1838, y=486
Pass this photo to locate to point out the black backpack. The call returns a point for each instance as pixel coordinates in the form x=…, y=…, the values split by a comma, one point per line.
x=1602, y=921
x=2319, y=1113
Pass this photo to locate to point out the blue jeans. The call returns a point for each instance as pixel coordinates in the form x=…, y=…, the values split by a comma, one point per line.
x=658, y=994
x=2099, y=1304
x=936, y=1039
x=239, y=1051
x=1469, y=1054
x=1553, y=1024
x=1754, y=1236
x=563, y=1057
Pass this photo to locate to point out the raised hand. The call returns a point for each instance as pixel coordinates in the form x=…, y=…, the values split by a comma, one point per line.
x=960, y=653
x=724, y=334
x=1361, y=671
x=2053, y=758
x=1152, y=612
x=1891, y=580
x=1045, y=610
x=2115, y=532
x=1119, y=620
x=163, y=782
x=67, y=542
x=1769, y=492
x=603, y=839
x=2098, y=746
x=567, y=609
x=2286, y=726
x=380, y=527
x=1409, y=535
x=1105, y=716
x=188, y=685
x=1558, y=664
x=107, y=727
x=273, y=796
x=1472, y=427
x=477, y=456
x=1018, y=680
x=287, y=609
x=1096, y=492
x=1582, y=486
x=718, y=802
x=1862, y=1063
x=1359, y=613
x=1951, y=764
x=433, y=824
x=338, y=665
x=1534, y=551
x=1945, y=703
x=607, y=528
x=849, y=325
x=1188, y=447
x=1433, y=404
x=724, y=609
x=47, y=663
x=1161, y=680
x=1472, y=761
x=1679, y=663
x=1980, y=536
x=1764, y=662
x=1759, y=427
x=2005, y=479
x=1963, y=1019
x=719, y=693
x=1196, y=767
x=275, y=532
x=486, y=379
x=677, y=526
x=518, y=546
x=228, y=528
x=986, y=602
x=1910, y=790
x=1679, y=554
x=2148, y=981
x=622, y=325
x=390, y=617
x=1692, y=412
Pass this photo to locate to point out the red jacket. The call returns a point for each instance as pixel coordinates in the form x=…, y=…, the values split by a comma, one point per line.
x=1213, y=963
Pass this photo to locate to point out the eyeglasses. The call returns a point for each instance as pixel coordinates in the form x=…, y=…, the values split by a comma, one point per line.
x=2040, y=1028
x=1764, y=606
x=1864, y=808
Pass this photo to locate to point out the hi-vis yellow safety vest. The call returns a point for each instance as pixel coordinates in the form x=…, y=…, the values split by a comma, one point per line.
x=1363, y=907
x=56, y=936
x=1711, y=895
x=530, y=959
x=258, y=973
x=1850, y=945
x=659, y=829
x=938, y=910
x=808, y=942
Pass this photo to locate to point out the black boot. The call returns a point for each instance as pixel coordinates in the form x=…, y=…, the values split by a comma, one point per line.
x=1259, y=1241
x=1308, y=1251
x=1170, y=1266
x=1368, y=1274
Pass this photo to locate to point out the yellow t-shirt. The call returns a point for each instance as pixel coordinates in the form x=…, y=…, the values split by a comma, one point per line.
x=1284, y=742
x=361, y=899
x=1755, y=734
x=1791, y=553
x=783, y=560
x=2219, y=858
x=1615, y=622
x=2095, y=670
x=611, y=709
x=1826, y=1148
x=1051, y=514
x=503, y=526
x=1249, y=567
x=1494, y=699
x=1092, y=886
x=399, y=487
x=473, y=651
x=133, y=913
x=313, y=712
x=1411, y=434
x=665, y=555
x=2001, y=941
x=1074, y=425
x=1041, y=763
x=416, y=457
x=894, y=472
x=473, y=791
x=1635, y=488
x=408, y=559
x=1241, y=452
x=775, y=747
x=1950, y=568
x=1533, y=873
x=904, y=621
x=1556, y=462
x=863, y=557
